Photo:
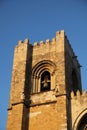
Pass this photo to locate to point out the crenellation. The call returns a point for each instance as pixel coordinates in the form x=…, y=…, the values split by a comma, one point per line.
x=60, y=34
x=26, y=41
x=84, y=93
x=58, y=39
x=53, y=41
x=20, y=42
x=42, y=42
x=36, y=44
x=43, y=77
x=57, y=33
x=47, y=41
x=72, y=94
x=78, y=94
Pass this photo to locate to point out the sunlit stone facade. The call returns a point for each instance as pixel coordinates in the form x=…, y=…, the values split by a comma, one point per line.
x=46, y=91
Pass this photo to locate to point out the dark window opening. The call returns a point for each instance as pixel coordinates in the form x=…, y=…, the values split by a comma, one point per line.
x=74, y=82
x=83, y=123
x=45, y=81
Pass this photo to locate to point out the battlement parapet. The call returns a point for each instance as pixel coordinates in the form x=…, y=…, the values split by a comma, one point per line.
x=42, y=43
x=26, y=41
x=20, y=42
x=21, y=50
x=53, y=41
x=78, y=94
x=47, y=41
x=36, y=44
x=56, y=41
x=59, y=36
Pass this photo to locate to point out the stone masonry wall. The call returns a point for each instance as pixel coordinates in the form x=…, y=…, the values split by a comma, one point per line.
x=53, y=51
x=48, y=111
x=44, y=110
x=79, y=107
x=71, y=63
x=15, y=109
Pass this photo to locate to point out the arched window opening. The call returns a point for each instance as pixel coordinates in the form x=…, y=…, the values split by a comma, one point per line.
x=45, y=81
x=74, y=81
x=83, y=123
x=43, y=76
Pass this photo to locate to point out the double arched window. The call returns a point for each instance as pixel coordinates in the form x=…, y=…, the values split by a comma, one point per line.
x=43, y=77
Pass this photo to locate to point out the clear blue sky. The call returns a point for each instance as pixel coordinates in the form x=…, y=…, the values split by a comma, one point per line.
x=38, y=20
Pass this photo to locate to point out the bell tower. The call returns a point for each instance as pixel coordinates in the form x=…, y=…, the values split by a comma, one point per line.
x=43, y=77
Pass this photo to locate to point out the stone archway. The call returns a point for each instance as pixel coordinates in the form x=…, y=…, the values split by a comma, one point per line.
x=39, y=71
x=81, y=121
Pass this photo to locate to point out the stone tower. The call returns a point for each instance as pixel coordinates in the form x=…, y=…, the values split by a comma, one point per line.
x=43, y=77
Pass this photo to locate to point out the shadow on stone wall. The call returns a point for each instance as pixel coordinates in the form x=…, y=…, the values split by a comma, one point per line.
x=27, y=90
